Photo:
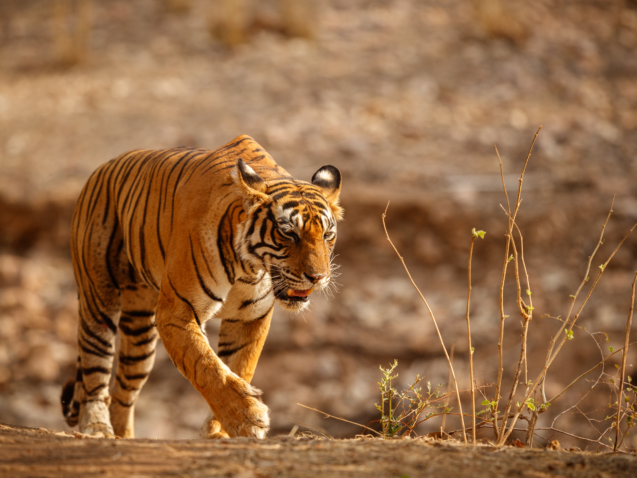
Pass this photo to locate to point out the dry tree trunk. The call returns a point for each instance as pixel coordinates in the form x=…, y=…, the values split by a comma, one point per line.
x=73, y=21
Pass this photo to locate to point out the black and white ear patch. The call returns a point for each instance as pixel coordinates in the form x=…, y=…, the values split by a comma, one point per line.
x=328, y=178
x=250, y=177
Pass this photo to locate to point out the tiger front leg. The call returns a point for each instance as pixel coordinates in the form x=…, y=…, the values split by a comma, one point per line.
x=233, y=401
x=240, y=346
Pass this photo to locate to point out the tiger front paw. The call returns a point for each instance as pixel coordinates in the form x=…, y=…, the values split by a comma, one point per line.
x=245, y=414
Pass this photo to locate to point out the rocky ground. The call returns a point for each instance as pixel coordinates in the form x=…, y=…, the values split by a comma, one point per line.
x=407, y=99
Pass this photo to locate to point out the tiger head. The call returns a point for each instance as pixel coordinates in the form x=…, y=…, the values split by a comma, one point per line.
x=290, y=230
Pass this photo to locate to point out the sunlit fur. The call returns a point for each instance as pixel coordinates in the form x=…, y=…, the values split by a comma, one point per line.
x=163, y=241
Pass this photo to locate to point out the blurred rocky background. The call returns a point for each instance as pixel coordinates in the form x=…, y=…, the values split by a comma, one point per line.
x=407, y=99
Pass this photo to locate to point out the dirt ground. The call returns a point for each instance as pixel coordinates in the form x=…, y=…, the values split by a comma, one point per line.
x=31, y=452
x=407, y=99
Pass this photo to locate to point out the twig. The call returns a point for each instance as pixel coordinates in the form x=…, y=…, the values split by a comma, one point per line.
x=557, y=430
x=494, y=412
x=473, y=392
x=327, y=415
x=431, y=314
x=444, y=416
x=629, y=322
x=584, y=374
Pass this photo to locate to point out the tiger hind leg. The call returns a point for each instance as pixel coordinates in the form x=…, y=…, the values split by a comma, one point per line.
x=96, y=352
x=138, y=341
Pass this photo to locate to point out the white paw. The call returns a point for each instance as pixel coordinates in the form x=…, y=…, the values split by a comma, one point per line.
x=95, y=420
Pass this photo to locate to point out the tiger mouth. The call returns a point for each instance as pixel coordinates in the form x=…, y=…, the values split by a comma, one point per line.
x=294, y=295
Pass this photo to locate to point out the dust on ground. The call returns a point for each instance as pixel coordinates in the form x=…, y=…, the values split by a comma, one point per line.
x=44, y=453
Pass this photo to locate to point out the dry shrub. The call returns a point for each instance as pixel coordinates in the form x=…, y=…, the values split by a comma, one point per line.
x=503, y=419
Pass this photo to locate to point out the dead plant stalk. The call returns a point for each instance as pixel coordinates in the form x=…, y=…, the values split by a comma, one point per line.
x=473, y=396
x=629, y=322
x=525, y=311
x=431, y=314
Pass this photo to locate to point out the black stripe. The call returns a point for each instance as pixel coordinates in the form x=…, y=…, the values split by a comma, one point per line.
x=145, y=341
x=246, y=303
x=124, y=386
x=135, y=332
x=181, y=172
x=225, y=353
x=90, y=348
x=138, y=313
x=86, y=329
x=105, y=319
x=134, y=359
x=137, y=376
x=225, y=244
x=183, y=299
x=109, y=266
x=95, y=390
x=123, y=404
x=203, y=285
x=92, y=370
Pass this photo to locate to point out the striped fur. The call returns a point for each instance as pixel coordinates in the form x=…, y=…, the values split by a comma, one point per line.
x=163, y=241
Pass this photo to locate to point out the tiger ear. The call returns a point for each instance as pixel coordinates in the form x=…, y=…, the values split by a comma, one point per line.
x=252, y=186
x=328, y=180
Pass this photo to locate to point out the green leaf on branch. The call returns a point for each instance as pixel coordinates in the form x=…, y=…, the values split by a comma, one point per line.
x=477, y=234
x=611, y=349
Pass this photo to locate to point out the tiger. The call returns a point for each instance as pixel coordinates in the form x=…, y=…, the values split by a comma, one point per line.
x=163, y=241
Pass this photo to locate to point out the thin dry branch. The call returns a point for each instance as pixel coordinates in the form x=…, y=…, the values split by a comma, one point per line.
x=448, y=393
x=473, y=392
x=327, y=415
x=431, y=314
x=629, y=322
x=584, y=374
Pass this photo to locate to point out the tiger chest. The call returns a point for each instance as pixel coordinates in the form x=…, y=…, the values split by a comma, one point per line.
x=248, y=300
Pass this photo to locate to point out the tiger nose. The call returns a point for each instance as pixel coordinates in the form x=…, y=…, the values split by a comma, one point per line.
x=314, y=278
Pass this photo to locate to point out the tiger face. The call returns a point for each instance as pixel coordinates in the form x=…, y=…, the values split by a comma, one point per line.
x=290, y=231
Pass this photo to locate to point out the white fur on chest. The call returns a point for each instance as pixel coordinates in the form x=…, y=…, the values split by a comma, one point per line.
x=248, y=301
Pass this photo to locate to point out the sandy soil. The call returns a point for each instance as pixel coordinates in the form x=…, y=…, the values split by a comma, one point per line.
x=30, y=452
x=407, y=98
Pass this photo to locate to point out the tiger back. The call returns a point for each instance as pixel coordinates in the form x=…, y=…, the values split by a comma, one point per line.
x=162, y=242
